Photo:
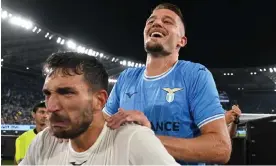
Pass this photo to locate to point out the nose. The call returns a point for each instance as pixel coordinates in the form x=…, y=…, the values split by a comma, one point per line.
x=53, y=104
x=45, y=115
x=157, y=23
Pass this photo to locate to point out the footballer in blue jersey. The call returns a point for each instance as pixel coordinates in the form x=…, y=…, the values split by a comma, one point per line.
x=177, y=103
x=168, y=100
x=178, y=98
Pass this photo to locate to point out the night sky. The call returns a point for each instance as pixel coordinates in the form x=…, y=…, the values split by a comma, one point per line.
x=221, y=34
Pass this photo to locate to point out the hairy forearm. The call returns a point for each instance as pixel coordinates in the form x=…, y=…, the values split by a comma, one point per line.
x=232, y=128
x=209, y=148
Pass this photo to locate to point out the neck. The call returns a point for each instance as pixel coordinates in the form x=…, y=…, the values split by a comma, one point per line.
x=158, y=65
x=89, y=137
x=39, y=128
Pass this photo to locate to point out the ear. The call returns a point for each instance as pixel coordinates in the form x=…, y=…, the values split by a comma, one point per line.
x=182, y=42
x=100, y=99
x=33, y=115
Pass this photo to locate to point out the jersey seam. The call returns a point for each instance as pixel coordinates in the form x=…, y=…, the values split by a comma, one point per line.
x=155, y=78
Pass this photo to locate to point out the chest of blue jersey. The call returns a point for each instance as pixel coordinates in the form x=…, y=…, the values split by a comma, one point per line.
x=164, y=101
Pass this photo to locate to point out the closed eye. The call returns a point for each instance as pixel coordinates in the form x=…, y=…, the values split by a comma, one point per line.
x=46, y=92
x=62, y=91
x=168, y=22
x=66, y=91
x=151, y=20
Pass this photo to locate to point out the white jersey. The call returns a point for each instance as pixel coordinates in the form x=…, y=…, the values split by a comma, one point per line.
x=129, y=145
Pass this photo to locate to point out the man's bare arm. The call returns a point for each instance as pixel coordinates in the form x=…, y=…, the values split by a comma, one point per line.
x=232, y=129
x=213, y=146
x=230, y=117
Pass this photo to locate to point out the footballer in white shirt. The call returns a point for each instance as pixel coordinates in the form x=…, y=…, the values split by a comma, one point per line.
x=75, y=92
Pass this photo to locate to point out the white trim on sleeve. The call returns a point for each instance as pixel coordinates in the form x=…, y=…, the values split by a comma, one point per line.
x=106, y=112
x=210, y=119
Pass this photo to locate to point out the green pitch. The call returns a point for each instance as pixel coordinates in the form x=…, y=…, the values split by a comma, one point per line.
x=7, y=162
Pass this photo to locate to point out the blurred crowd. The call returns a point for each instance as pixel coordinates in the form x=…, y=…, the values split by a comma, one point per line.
x=21, y=91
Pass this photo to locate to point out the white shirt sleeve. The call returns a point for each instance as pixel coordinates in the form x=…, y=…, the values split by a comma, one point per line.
x=147, y=149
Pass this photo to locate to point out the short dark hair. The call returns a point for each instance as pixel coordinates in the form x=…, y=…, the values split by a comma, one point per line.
x=38, y=105
x=173, y=8
x=78, y=63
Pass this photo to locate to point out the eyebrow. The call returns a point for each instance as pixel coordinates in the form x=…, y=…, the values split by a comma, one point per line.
x=151, y=17
x=164, y=17
x=60, y=90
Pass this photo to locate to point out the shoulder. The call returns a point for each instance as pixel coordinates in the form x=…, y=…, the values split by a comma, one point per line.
x=143, y=146
x=25, y=134
x=21, y=136
x=133, y=72
x=46, y=144
x=188, y=67
x=127, y=131
x=193, y=72
x=46, y=138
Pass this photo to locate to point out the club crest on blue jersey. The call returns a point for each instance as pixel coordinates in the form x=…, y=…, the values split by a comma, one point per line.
x=171, y=93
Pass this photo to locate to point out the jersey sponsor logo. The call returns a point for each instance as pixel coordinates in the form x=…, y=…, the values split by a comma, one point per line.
x=171, y=93
x=130, y=94
x=165, y=126
x=74, y=163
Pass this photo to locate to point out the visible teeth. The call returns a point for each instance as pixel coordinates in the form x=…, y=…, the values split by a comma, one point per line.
x=157, y=33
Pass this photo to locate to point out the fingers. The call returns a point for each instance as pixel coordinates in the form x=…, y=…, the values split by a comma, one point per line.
x=121, y=110
x=231, y=115
x=147, y=124
x=230, y=119
x=233, y=118
x=236, y=110
x=116, y=116
x=144, y=120
x=129, y=118
x=116, y=124
x=236, y=107
x=123, y=116
x=117, y=120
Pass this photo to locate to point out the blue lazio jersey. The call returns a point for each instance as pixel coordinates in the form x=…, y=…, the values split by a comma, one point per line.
x=177, y=103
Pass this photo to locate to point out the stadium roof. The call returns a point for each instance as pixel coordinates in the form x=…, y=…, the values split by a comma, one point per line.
x=220, y=33
x=26, y=45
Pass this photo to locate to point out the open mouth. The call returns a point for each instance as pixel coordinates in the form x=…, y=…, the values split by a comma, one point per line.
x=157, y=35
